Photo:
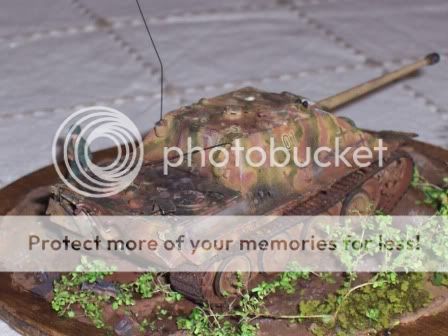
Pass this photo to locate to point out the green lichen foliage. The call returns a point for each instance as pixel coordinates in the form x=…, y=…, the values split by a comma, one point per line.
x=374, y=305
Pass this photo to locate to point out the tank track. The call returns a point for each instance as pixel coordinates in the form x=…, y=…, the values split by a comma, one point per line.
x=326, y=199
x=197, y=285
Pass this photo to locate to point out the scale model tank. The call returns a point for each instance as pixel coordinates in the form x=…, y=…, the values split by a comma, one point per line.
x=253, y=117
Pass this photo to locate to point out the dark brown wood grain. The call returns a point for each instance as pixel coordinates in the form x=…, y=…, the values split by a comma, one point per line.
x=12, y=194
x=31, y=315
x=23, y=311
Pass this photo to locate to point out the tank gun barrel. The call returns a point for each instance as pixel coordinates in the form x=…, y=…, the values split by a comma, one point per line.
x=340, y=99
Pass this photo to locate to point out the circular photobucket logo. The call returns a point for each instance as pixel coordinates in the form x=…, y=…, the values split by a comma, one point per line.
x=98, y=124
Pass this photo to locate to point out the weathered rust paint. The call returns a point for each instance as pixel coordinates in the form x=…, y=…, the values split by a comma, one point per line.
x=252, y=117
x=32, y=316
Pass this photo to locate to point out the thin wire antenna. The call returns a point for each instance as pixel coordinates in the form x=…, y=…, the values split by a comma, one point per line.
x=158, y=57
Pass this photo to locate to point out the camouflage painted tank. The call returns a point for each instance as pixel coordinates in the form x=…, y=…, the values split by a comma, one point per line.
x=252, y=118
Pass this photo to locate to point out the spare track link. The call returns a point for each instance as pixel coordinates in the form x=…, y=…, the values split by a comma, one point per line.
x=189, y=284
